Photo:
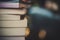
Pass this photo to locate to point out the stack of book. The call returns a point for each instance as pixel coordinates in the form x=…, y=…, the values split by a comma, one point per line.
x=11, y=25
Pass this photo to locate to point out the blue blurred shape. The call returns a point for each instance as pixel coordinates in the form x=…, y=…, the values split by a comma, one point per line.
x=40, y=11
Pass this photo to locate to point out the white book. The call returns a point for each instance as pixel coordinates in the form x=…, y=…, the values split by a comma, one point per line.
x=12, y=11
x=12, y=31
x=10, y=17
x=12, y=38
x=22, y=23
x=9, y=5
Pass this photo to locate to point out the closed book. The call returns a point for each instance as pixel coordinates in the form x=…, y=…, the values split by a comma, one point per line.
x=13, y=11
x=12, y=31
x=22, y=23
x=10, y=17
x=9, y=5
x=12, y=38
